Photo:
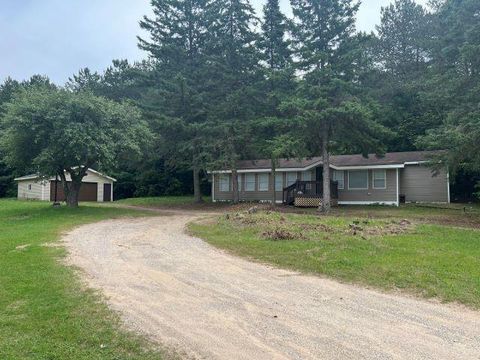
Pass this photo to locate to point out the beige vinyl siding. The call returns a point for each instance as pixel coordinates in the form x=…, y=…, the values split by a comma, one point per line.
x=418, y=184
x=34, y=193
x=371, y=195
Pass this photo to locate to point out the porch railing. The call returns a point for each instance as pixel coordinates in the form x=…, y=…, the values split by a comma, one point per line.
x=308, y=188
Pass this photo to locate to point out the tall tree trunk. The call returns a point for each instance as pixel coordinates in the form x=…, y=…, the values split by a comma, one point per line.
x=72, y=192
x=197, y=193
x=235, y=186
x=325, y=206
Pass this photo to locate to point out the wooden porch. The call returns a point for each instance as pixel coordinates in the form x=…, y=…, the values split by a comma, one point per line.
x=308, y=193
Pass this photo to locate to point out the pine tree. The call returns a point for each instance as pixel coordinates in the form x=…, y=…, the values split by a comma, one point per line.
x=274, y=44
x=321, y=29
x=271, y=131
x=453, y=85
x=403, y=38
x=177, y=44
x=177, y=33
x=327, y=109
x=234, y=73
x=232, y=39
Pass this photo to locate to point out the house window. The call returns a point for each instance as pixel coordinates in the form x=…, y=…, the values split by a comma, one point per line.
x=339, y=177
x=291, y=178
x=239, y=182
x=279, y=182
x=263, y=182
x=224, y=182
x=380, y=179
x=307, y=176
x=249, y=182
x=358, y=179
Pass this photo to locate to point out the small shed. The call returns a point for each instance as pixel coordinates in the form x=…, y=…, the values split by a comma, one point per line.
x=96, y=187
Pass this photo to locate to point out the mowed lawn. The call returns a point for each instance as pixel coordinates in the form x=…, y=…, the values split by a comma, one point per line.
x=394, y=249
x=45, y=313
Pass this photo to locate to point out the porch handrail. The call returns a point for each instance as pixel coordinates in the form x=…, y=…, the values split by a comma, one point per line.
x=314, y=188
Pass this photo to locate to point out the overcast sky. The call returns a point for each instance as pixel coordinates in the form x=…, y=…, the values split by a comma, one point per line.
x=58, y=37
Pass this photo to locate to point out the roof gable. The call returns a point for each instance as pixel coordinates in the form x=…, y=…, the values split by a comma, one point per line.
x=36, y=176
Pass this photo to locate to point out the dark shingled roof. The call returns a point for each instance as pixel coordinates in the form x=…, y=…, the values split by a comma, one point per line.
x=393, y=158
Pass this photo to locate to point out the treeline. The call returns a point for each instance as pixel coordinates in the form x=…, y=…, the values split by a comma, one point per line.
x=221, y=84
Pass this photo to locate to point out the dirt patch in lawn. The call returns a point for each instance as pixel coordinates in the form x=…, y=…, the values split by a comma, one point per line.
x=275, y=226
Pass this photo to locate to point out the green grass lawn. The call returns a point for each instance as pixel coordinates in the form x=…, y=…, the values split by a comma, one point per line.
x=381, y=251
x=44, y=311
x=467, y=215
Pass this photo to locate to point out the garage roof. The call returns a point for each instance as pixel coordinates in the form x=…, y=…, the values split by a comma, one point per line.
x=36, y=176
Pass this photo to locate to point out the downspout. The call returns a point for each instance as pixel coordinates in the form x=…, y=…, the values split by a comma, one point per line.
x=448, y=186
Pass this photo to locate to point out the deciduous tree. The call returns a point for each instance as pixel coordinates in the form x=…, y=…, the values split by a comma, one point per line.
x=57, y=132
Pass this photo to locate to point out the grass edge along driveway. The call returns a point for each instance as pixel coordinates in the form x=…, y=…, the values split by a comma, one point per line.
x=45, y=313
x=423, y=259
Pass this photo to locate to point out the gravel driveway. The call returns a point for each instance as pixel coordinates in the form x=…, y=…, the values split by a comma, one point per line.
x=186, y=294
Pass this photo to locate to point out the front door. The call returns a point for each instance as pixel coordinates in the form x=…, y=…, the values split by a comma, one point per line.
x=107, y=192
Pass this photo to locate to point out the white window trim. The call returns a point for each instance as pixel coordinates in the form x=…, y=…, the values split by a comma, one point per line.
x=247, y=176
x=343, y=176
x=368, y=180
x=229, y=177
x=259, y=182
x=373, y=179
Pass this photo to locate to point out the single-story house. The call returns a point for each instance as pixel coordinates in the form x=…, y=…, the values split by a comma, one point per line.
x=390, y=179
x=95, y=187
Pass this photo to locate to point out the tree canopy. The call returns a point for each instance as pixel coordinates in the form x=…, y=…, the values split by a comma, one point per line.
x=50, y=131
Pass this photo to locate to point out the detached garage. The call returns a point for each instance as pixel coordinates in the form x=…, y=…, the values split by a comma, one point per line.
x=96, y=187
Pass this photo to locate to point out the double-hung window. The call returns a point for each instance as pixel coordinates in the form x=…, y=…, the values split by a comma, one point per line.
x=263, y=182
x=291, y=178
x=249, y=182
x=224, y=182
x=380, y=179
x=307, y=176
x=239, y=182
x=339, y=177
x=358, y=179
x=278, y=181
